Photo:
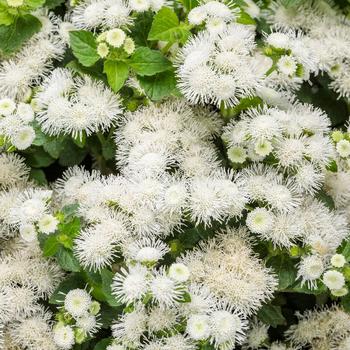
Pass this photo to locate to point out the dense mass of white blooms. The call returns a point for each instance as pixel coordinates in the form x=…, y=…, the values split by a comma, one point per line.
x=266, y=185
x=75, y=105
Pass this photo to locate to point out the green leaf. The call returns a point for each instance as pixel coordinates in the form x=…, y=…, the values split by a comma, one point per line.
x=166, y=27
x=34, y=4
x=189, y=4
x=141, y=27
x=298, y=288
x=107, y=279
x=70, y=210
x=67, y=260
x=38, y=158
x=6, y=17
x=326, y=199
x=271, y=315
x=145, y=61
x=49, y=244
x=345, y=302
x=84, y=47
x=159, y=86
x=108, y=148
x=117, y=72
x=54, y=146
x=284, y=268
x=71, y=154
x=102, y=344
x=13, y=36
x=245, y=18
x=51, y=4
x=74, y=281
x=346, y=251
x=38, y=176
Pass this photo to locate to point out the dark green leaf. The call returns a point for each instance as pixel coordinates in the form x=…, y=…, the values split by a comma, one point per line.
x=51, y=4
x=345, y=302
x=71, y=154
x=38, y=158
x=107, y=279
x=271, y=315
x=159, y=86
x=67, y=260
x=326, y=199
x=141, y=27
x=189, y=4
x=54, y=146
x=346, y=251
x=145, y=61
x=284, y=268
x=13, y=36
x=38, y=176
x=102, y=344
x=117, y=72
x=84, y=47
x=166, y=27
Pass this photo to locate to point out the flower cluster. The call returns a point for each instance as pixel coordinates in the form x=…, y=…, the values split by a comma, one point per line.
x=77, y=319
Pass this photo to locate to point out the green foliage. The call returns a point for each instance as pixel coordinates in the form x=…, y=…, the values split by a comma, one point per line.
x=285, y=269
x=271, y=315
x=13, y=36
x=167, y=27
x=145, y=61
x=117, y=72
x=159, y=86
x=84, y=47
x=102, y=344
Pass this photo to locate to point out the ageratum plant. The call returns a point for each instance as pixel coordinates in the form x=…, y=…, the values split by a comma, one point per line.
x=174, y=175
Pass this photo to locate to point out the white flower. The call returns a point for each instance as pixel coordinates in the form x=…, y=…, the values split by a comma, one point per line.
x=115, y=37
x=88, y=323
x=260, y=220
x=130, y=286
x=160, y=319
x=23, y=137
x=28, y=232
x=25, y=112
x=237, y=154
x=198, y=327
x=226, y=329
x=75, y=105
x=7, y=106
x=334, y=279
x=47, y=224
x=129, y=46
x=77, y=302
x=310, y=269
x=13, y=170
x=287, y=65
x=338, y=260
x=197, y=15
x=102, y=50
x=340, y=292
x=165, y=290
x=63, y=336
x=179, y=272
x=278, y=40
x=140, y=5
x=256, y=335
x=131, y=326
x=263, y=148
x=343, y=148
x=14, y=3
